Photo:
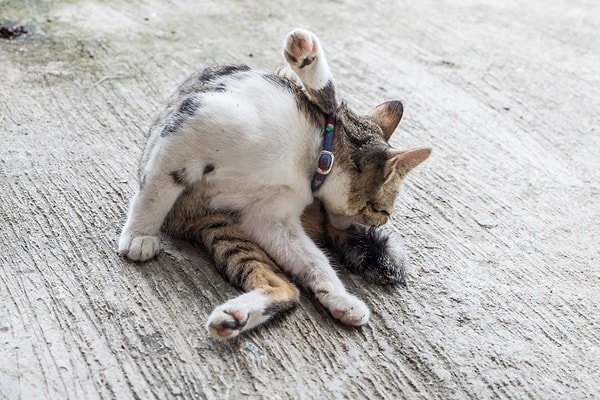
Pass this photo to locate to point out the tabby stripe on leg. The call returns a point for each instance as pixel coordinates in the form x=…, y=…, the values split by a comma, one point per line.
x=216, y=224
x=236, y=250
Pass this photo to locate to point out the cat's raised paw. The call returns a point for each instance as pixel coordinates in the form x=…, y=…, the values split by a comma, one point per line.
x=301, y=48
x=139, y=248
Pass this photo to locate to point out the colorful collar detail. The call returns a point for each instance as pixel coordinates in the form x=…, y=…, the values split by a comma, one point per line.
x=326, y=158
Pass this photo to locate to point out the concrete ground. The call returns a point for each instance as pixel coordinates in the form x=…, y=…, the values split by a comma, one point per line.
x=502, y=223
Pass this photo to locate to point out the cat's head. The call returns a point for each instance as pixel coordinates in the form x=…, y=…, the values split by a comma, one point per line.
x=367, y=173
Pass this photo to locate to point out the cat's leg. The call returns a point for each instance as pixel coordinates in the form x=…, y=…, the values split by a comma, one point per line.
x=287, y=243
x=304, y=53
x=139, y=239
x=246, y=265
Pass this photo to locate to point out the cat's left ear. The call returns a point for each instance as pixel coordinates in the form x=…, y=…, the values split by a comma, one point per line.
x=388, y=115
x=403, y=161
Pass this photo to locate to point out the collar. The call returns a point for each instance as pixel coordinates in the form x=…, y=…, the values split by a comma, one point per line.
x=326, y=158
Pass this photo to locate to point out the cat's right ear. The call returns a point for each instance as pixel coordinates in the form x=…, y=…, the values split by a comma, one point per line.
x=403, y=161
x=388, y=115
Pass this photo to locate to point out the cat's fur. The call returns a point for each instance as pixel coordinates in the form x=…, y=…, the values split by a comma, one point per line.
x=229, y=163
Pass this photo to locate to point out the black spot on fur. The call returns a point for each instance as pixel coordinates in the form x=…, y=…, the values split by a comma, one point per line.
x=307, y=61
x=368, y=254
x=208, y=169
x=179, y=176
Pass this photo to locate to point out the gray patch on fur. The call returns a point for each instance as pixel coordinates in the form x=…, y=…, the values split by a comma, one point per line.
x=325, y=97
x=188, y=107
x=211, y=79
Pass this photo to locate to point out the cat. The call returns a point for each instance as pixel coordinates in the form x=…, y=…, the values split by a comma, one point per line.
x=231, y=163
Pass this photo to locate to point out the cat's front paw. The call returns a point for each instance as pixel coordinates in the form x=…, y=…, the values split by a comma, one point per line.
x=349, y=309
x=139, y=248
x=301, y=48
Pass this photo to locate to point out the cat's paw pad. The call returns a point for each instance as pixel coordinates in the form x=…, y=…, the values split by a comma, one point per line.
x=139, y=248
x=224, y=324
x=301, y=48
x=348, y=309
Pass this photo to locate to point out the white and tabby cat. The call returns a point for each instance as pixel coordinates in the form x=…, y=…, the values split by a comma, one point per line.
x=230, y=163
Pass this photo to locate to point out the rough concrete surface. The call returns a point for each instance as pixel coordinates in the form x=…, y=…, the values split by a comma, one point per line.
x=502, y=223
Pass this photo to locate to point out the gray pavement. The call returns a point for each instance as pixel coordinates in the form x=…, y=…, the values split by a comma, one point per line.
x=502, y=222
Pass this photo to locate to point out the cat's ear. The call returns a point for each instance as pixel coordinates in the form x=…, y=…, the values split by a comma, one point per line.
x=388, y=115
x=402, y=161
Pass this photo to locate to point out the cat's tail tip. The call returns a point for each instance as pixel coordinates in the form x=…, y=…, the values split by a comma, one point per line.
x=378, y=256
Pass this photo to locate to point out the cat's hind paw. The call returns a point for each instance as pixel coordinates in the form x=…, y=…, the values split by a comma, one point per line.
x=237, y=315
x=301, y=48
x=139, y=248
x=224, y=324
x=347, y=308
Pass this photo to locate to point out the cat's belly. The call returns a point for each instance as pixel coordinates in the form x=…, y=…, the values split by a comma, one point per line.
x=267, y=197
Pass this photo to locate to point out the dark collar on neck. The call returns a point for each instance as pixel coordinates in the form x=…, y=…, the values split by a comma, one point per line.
x=326, y=158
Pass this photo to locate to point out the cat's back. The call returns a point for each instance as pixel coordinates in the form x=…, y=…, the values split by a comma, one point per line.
x=235, y=105
x=238, y=130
